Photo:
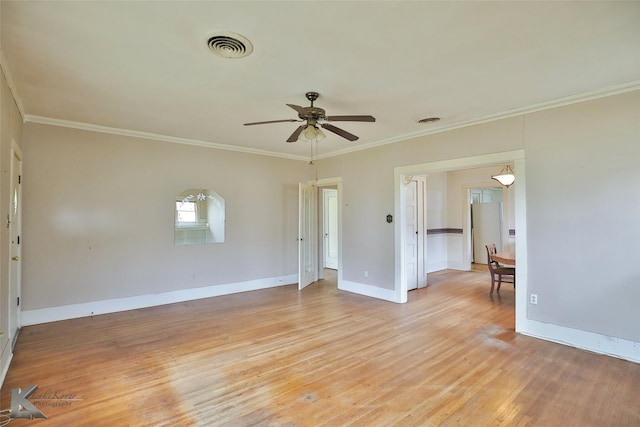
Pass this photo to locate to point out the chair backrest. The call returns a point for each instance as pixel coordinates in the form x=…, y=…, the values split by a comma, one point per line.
x=491, y=249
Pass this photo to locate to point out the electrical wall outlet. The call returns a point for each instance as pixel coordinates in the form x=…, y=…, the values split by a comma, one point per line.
x=533, y=298
x=366, y=273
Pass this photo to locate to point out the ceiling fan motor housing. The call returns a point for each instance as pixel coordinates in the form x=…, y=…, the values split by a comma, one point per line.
x=312, y=113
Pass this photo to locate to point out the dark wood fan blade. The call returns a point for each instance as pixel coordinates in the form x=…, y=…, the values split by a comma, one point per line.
x=351, y=118
x=338, y=131
x=294, y=136
x=298, y=108
x=271, y=121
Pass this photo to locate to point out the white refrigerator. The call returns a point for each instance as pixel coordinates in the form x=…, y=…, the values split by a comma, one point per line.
x=486, y=228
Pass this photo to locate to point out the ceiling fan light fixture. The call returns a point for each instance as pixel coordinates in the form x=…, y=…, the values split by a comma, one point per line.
x=312, y=133
x=505, y=177
x=309, y=133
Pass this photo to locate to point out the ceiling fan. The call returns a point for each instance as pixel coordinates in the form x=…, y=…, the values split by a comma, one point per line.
x=314, y=116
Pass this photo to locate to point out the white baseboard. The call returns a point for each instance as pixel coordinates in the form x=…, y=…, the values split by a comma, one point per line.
x=53, y=314
x=368, y=290
x=436, y=266
x=590, y=341
x=457, y=265
x=5, y=369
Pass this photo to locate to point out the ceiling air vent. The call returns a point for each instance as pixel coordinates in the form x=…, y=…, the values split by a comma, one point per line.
x=230, y=45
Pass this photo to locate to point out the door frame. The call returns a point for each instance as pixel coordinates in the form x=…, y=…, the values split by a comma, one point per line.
x=334, y=182
x=323, y=224
x=401, y=173
x=15, y=267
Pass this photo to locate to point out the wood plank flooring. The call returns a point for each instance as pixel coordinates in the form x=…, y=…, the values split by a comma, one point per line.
x=319, y=357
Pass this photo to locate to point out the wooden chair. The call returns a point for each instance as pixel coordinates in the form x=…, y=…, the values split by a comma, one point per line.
x=496, y=269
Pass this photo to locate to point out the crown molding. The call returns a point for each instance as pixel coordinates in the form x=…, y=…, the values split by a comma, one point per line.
x=520, y=111
x=4, y=65
x=154, y=136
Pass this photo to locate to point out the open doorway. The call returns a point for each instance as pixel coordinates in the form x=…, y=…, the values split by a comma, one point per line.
x=329, y=240
x=321, y=230
x=401, y=174
x=329, y=227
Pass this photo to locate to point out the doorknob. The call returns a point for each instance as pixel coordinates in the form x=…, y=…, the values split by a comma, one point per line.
x=15, y=258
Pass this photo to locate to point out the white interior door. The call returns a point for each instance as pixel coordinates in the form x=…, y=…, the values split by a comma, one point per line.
x=15, y=229
x=487, y=228
x=411, y=234
x=307, y=243
x=330, y=226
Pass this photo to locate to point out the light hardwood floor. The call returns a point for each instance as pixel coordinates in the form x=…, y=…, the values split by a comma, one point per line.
x=319, y=357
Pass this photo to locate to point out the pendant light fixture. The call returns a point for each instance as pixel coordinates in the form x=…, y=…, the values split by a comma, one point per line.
x=505, y=177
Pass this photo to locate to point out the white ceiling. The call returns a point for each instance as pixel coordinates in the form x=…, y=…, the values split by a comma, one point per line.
x=145, y=66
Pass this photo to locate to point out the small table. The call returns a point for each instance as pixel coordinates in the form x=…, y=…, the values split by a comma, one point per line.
x=508, y=258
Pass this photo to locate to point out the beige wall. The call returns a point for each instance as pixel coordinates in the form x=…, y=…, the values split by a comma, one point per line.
x=583, y=208
x=99, y=216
